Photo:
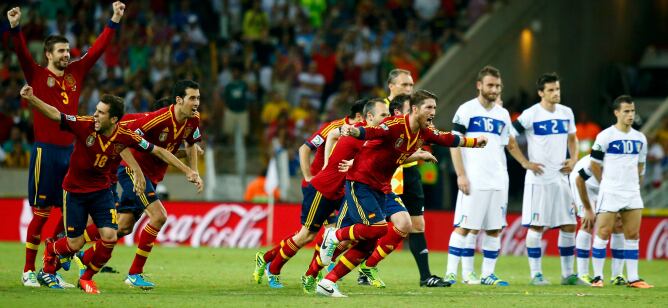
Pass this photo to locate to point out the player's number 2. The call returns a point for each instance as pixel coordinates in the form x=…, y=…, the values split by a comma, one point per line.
x=100, y=160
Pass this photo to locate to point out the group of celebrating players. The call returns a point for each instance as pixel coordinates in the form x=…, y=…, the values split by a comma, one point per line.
x=82, y=178
x=348, y=185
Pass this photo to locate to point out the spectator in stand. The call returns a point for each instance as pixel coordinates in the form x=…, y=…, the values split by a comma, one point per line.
x=273, y=107
x=255, y=22
x=17, y=149
x=311, y=84
x=655, y=157
x=367, y=60
x=139, y=98
x=325, y=60
x=338, y=104
x=235, y=119
x=255, y=190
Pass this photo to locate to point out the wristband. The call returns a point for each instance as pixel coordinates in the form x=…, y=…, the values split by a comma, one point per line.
x=470, y=142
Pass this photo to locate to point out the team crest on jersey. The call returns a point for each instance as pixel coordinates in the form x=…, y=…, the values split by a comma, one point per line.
x=50, y=82
x=399, y=142
x=70, y=81
x=163, y=135
x=90, y=140
x=188, y=131
x=118, y=148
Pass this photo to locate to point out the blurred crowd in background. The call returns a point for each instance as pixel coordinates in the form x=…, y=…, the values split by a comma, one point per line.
x=271, y=71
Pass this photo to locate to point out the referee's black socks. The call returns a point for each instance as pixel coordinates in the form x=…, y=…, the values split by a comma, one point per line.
x=418, y=246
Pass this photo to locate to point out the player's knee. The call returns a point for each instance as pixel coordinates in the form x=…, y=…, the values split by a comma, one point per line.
x=604, y=232
x=631, y=235
x=417, y=225
x=76, y=243
x=462, y=231
x=493, y=233
x=403, y=225
x=123, y=231
x=109, y=237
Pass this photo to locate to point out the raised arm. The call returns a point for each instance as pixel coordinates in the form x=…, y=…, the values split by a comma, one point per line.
x=28, y=64
x=103, y=40
x=43, y=108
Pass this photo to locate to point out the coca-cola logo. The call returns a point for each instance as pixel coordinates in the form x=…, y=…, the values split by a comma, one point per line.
x=224, y=225
x=657, y=248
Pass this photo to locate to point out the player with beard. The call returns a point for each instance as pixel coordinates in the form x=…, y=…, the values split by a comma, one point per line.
x=60, y=84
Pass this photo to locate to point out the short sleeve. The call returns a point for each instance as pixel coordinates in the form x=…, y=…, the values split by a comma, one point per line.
x=74, y=124
x=505, y=131
x=571, y=120
x=642, y=156
x=599, y=147
x=460, y=121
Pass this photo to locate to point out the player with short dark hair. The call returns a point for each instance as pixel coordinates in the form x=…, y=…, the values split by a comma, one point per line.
x=167, y=127
x=547, y=203
x=60, y=84
x=100, y=144
x=618, y=161
x=368, y=182
x=315, y=208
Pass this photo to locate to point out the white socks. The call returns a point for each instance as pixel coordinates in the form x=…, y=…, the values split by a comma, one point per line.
x=490, y=251
x=583, y=248
x=467, y=254
x=598, y=255
x=454, y=252
x=566, y=244
x=631, y=257
x=617, y=248
x=534, y=252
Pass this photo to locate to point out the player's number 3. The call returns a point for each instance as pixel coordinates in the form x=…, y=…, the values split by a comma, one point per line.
x=66, y=99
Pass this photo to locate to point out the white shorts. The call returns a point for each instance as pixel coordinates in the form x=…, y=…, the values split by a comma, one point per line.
x=614, y=203
x=592, y=193
x=481, y=210
x=548, y=205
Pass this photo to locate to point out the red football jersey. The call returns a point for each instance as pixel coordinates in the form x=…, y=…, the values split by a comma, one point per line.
x=95, y=156
x=317, y=140
x=329, y=181
x=60, y=92
x=160, y=128
x=376, y=161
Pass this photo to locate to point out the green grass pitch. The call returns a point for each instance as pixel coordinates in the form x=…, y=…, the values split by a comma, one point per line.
x=199, y=277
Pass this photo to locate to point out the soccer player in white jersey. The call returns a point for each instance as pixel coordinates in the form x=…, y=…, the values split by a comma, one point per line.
x=547, y=203
x=584, y=187
x=618, y=162
x=482, y=179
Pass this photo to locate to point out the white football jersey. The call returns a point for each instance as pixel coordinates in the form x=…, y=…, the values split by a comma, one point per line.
x=584, y=166
x=622, y=152
x=547, y=137
x=485, y=167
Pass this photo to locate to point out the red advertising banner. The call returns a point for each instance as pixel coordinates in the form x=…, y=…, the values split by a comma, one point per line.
x=245, y=225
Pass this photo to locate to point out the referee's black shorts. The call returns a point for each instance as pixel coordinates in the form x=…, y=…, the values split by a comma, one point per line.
x=413, y=196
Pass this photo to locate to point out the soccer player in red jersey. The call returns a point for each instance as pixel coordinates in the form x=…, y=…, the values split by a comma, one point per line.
x=166, y=127
x=97, y=152
x=59, y=83
x=369, y=177
x=315, y=208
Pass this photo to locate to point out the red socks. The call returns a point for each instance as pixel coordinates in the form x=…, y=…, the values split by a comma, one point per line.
x=144, y=247
x=386, y=245
x=39, y=218
x=358, y=232
x=286, y=252
x=91, y=234
x=102, y=254
x=59, y=247
x=351, y=259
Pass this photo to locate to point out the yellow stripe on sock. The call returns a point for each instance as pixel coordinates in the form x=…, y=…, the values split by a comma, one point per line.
x=283, y=254
x=351, y=232
x=93, y=267
x=381, y=252
x=32, y=246
x=292, y=246
x=317, y=259
x=143, y=253
x=150, y=231
x=86, y=236
x=347, y=263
